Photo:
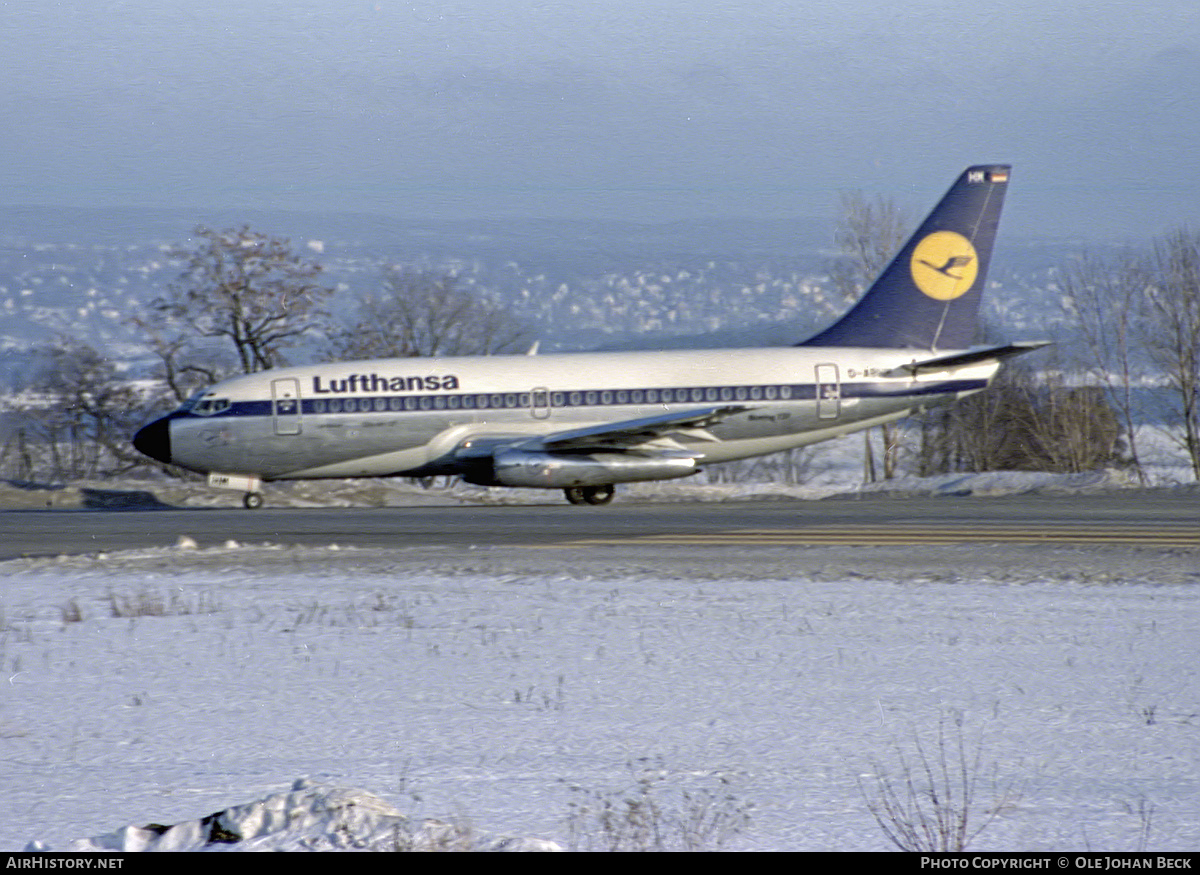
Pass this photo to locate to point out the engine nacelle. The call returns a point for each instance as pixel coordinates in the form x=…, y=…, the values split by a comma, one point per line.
x=562, y=470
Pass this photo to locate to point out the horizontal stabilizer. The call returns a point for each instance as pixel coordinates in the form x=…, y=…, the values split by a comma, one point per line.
x=975, y=356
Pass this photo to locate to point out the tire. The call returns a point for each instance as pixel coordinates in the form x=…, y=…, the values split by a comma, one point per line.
x=599, y=494
x=252, y=500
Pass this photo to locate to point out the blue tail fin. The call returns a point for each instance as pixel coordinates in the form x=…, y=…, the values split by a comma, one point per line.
x=928, y=297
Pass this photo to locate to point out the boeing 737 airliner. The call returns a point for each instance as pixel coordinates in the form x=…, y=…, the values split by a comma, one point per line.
x=582, y=422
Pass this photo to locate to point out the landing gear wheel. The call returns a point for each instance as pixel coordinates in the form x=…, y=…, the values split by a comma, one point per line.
x=590, y=494
x=252, y=500
x=598, y=494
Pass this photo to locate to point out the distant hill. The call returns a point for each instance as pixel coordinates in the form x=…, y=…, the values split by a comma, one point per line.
x=578, y=284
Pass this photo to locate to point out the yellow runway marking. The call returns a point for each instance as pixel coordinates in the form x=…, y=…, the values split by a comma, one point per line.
x=907, y=535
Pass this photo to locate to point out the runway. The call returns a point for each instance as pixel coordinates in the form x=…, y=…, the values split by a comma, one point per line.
x=1159, y=519
x=909, y=535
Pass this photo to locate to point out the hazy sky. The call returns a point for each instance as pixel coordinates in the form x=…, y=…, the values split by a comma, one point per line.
x=647, y=109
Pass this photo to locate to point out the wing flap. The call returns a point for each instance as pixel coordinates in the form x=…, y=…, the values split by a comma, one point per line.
x=653, y=433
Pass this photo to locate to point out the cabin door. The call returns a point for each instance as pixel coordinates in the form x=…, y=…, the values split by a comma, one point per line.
x=829, y=392
x=285, y=405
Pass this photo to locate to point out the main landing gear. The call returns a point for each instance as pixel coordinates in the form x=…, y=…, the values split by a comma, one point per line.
x=589, y=494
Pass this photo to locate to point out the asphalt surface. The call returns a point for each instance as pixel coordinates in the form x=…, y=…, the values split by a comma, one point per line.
x=1149, y=518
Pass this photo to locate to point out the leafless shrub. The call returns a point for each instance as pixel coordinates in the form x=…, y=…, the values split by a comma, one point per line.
x=71, y=612
x=1144, y=810
x=929, y=802
x=437, y=836
x=654, y=816
x=147, y=603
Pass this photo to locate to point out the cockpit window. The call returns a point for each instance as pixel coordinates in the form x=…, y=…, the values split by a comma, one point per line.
x=193, y=399
x=210, y=406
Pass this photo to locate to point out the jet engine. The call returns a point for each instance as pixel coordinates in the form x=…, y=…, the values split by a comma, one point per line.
x=531, y=468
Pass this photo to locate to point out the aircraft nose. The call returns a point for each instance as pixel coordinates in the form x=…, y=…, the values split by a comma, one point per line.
x=154, y=440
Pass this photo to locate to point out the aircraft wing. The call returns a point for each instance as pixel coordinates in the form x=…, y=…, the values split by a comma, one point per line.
x=633, y=433
x=974, y=356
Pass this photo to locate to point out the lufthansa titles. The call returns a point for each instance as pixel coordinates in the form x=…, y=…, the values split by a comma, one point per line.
x=376, y=383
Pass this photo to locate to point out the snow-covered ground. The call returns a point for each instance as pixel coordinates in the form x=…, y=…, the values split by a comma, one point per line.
x=507, y=688
x=513, y=693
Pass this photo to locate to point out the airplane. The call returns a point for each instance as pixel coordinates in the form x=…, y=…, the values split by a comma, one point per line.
x=583, y=422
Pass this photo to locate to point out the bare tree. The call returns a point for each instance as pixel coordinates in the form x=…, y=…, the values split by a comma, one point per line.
x=1071, y=429
x=1103, y=296
x=976, y=433
x=868, y=237
x=242, y=299
x=77, y=417
x=1024, y=423
x=426, y=313
x=188, y=362
x=1171, y=319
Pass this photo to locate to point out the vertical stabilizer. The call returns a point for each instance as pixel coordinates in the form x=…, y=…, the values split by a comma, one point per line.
x=928, y=297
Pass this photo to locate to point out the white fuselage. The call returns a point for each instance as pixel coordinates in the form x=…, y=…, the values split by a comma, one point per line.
x=414, y=416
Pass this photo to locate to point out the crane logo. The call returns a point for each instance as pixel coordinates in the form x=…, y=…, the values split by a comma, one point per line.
x=944, y=265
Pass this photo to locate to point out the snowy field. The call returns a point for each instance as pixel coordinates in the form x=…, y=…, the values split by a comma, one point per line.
x=512, y=692
x=500, y=688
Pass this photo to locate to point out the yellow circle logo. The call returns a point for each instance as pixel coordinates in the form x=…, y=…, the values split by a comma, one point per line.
x=944, y=265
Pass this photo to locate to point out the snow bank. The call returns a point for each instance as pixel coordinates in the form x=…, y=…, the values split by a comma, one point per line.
x=309, y=817
x=995, y=483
